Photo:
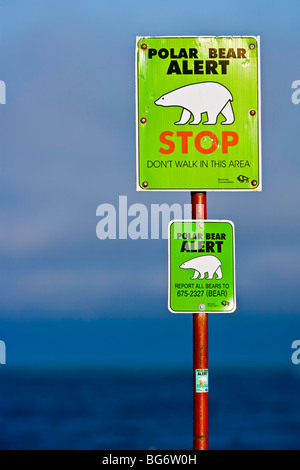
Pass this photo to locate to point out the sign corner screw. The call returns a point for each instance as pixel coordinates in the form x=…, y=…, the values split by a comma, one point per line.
x=143, y=120
x=145, y=184
x=252, y=112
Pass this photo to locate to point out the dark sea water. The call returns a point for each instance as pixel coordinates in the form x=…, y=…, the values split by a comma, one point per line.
x=146, y=410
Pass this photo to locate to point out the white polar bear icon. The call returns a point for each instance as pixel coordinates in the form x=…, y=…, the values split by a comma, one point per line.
x=202, y=265
x=204, y=97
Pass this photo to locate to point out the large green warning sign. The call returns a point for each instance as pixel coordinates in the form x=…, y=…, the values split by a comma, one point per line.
x=201, y=266
x=198, y=113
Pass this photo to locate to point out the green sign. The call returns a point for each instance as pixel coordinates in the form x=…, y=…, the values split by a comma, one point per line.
x=202, y=381
x=198, y=113
x=201, y=266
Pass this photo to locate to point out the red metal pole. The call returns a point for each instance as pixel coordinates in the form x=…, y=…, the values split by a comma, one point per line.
x=200, y=349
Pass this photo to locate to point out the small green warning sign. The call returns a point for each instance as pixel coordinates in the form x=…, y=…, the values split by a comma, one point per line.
x=201, y=266
x=202, y=381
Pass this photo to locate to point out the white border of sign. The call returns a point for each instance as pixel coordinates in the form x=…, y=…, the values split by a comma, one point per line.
x=169, y=264
x=138, y=187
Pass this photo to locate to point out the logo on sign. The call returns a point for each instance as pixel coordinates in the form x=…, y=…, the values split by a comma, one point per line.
x=243, y=179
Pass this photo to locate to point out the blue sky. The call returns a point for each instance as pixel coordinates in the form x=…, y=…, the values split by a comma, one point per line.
x=68, y=144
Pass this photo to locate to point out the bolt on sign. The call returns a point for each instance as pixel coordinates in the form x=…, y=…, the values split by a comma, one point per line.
x=198, y=113
x=201, y=266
